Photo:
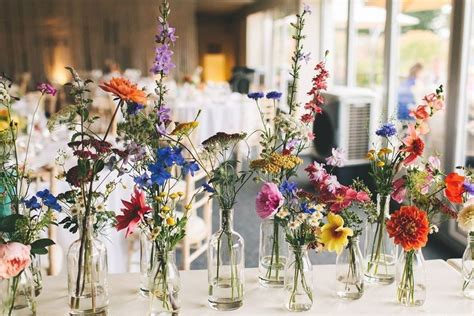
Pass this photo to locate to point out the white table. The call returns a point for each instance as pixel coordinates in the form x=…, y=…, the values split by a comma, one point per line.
x=443, y=296
x=455, y=263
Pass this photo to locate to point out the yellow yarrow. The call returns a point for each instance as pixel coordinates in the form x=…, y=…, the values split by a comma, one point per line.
x=184, y=128
x=276, y=162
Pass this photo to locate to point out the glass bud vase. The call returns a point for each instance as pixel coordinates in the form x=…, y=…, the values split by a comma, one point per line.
x=87, y=272
x=147, y=257
x=380, y=251
x=225, y=259
x=298, y=287
x=272, y=254
x=411, y=278
x=17, y=295
x=35, y=268
x=468, y=268
x=350, y=271
x=164, y=285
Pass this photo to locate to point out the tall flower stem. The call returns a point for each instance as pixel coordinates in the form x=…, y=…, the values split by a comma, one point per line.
x=275, y=257
x=406, y=288
x=15, y=281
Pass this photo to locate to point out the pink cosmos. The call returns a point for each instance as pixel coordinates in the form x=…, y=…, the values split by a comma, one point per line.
x=316, y=172
x=14, y=258
x=434, y=163
x=269, y=200
x=337, y=159
x=310, y=136
x=399, y=190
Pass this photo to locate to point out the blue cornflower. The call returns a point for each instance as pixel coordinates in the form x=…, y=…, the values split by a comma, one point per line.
x=255, y=95
x=178, y=156
x=274, y=95
x=208, y=188
x=143, y=181
x=288, y=187
x=469, y=187
x=306, y=209
x=51, y=202
x=159, y=174
x=386, y=130
x=133, y=108
x=190, y=167
x=165, y=155
x=32, y=203
x=43, y=194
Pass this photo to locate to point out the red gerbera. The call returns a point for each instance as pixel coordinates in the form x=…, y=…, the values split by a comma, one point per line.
x=409, y=227
x=133, y=213
x=413, y=145
x=454, y=187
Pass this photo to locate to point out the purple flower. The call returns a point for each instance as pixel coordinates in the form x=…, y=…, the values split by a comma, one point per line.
x=163, y=114
x=133, y=108
x=166, y=32
x=255, y=95
x=161, y=129
x=163, y=62
x=306, y=57
x=46, y=88
x=274, y=95
x=307, y=8
x=469, y=187
x=386, y=130
x=143, y=181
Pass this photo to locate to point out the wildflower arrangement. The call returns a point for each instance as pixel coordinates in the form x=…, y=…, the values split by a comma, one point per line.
x=22, y=217
x=283, y=139
x=397, y=152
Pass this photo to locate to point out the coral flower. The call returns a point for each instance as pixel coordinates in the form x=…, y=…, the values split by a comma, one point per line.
x=133, y=212
x=414, y=145
x=125, y=90
x=334, y=234
x=420, y=113
x=14, y=258
x=454, y=187
x=409, y=227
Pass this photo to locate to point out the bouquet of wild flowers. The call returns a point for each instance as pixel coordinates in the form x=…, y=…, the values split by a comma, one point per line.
x=22, y=218
x=282, y=141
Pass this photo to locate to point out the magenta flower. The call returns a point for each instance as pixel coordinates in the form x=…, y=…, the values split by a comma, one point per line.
x=269, y=200
x=46, y=88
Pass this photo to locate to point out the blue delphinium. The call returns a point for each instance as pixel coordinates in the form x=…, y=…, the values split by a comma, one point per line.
x=143, y=181
x=133, y=108
x=386, y=130
x=288, y=187
x=32, y=203
x=306, y=209
x=274, y=95
x=159, y=173
x=255, y=95
x=49, y=200
x=208, y=188
x=191, y=167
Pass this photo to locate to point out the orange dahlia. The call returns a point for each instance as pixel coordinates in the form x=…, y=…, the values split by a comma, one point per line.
x=125, y=90
x=409, y=227
x=454, y=187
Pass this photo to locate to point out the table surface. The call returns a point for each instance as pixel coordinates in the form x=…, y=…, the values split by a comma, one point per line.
x=455, y=263
x=443, y=296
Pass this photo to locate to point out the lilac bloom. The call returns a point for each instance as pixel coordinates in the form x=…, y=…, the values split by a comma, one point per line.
x=163, y=62
x=307, y=8
x=163, y=114
x=469, y=187
x=166, y=32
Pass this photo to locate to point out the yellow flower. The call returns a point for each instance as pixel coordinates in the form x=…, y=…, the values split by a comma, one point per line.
x=184, y=128
x=162, y=194
x=334, y=234
x=380, y=163
x=276, y=162
x=180, y=194
x=158, y=198
x=188, y=207
x=170, y=221
x=165, y=209
x=372, y=151
x=174, y=196
x=4, y=125
x=370, y=156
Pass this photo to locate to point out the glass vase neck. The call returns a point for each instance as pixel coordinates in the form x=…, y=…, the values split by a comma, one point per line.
x=298, y=249
x=86, y=223
x=227, y=220
x=383, y=204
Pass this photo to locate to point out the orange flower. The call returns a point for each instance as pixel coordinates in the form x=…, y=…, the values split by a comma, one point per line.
x=409, y=227
x=413, y=145
x=454, y=187
x=420, y=113
x=124, y=90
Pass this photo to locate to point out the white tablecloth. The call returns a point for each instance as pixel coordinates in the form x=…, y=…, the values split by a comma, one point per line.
x=443, y=296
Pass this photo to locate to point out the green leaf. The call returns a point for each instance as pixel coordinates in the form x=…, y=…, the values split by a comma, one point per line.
x=8, y=223
x=39, y=251
x=42, y=243
x=98, y=166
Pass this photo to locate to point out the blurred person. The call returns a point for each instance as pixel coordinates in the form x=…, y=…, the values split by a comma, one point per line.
x=406, y=95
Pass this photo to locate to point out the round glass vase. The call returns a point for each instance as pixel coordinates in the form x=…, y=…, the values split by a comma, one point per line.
x=350, y=271
x=468, y=268
x=225, y=259
x=87, y=272
x=298, y=287
x=164, y=284
x=272, y=254
x=17, y=295
x=380, y=251
x=411, y=278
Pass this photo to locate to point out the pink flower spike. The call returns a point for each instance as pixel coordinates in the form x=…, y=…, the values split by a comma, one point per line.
x=269, y=200
x=46, y=88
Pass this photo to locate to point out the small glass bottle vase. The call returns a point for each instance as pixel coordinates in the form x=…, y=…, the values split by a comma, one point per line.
x=35, y=268
x=380, y=251
x=350, y=271
x=17, y=295
x=225, y=259
x=411, y=278
x=273, y=252
x=147, y=259
x=298, y=287
x=468, y=268
x=164, y=284
x=87, y=272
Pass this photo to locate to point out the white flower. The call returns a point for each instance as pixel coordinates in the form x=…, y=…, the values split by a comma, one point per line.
x=317, y=215
x=320, y=207
x=433, y=229
x=332, y=183
x=100, y=208
x=301, y=217
x=466, y=218
x=434, y=162
x=337, y=159
x=314, y=221
x=282, y=213
x=294, y=224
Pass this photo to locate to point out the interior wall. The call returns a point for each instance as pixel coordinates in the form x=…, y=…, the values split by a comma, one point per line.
x=43, y=36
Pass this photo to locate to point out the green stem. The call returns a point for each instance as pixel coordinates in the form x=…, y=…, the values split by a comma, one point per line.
x=16, y=280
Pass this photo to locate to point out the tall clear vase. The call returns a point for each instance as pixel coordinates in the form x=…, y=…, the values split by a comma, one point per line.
x=225, y=259
x=164, y=284
x=380, y=251
x=411, y=278
x=350, y=271
x=87, y=273
x=273, y=252
x=147, y=258
x=468, y=268
x=17, y=295
x=298, y=288
x=35, y=268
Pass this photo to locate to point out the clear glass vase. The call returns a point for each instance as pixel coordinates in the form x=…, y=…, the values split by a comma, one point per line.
x=350, y=271
x=17, y=295
x=380, y=251
x=468, y=268
x=35, y=268
x=225, y=259
x=298, y=287
x=164, y=284
x=411, y=278
x=147, y=257
x=272, y=254
x=87, y=273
